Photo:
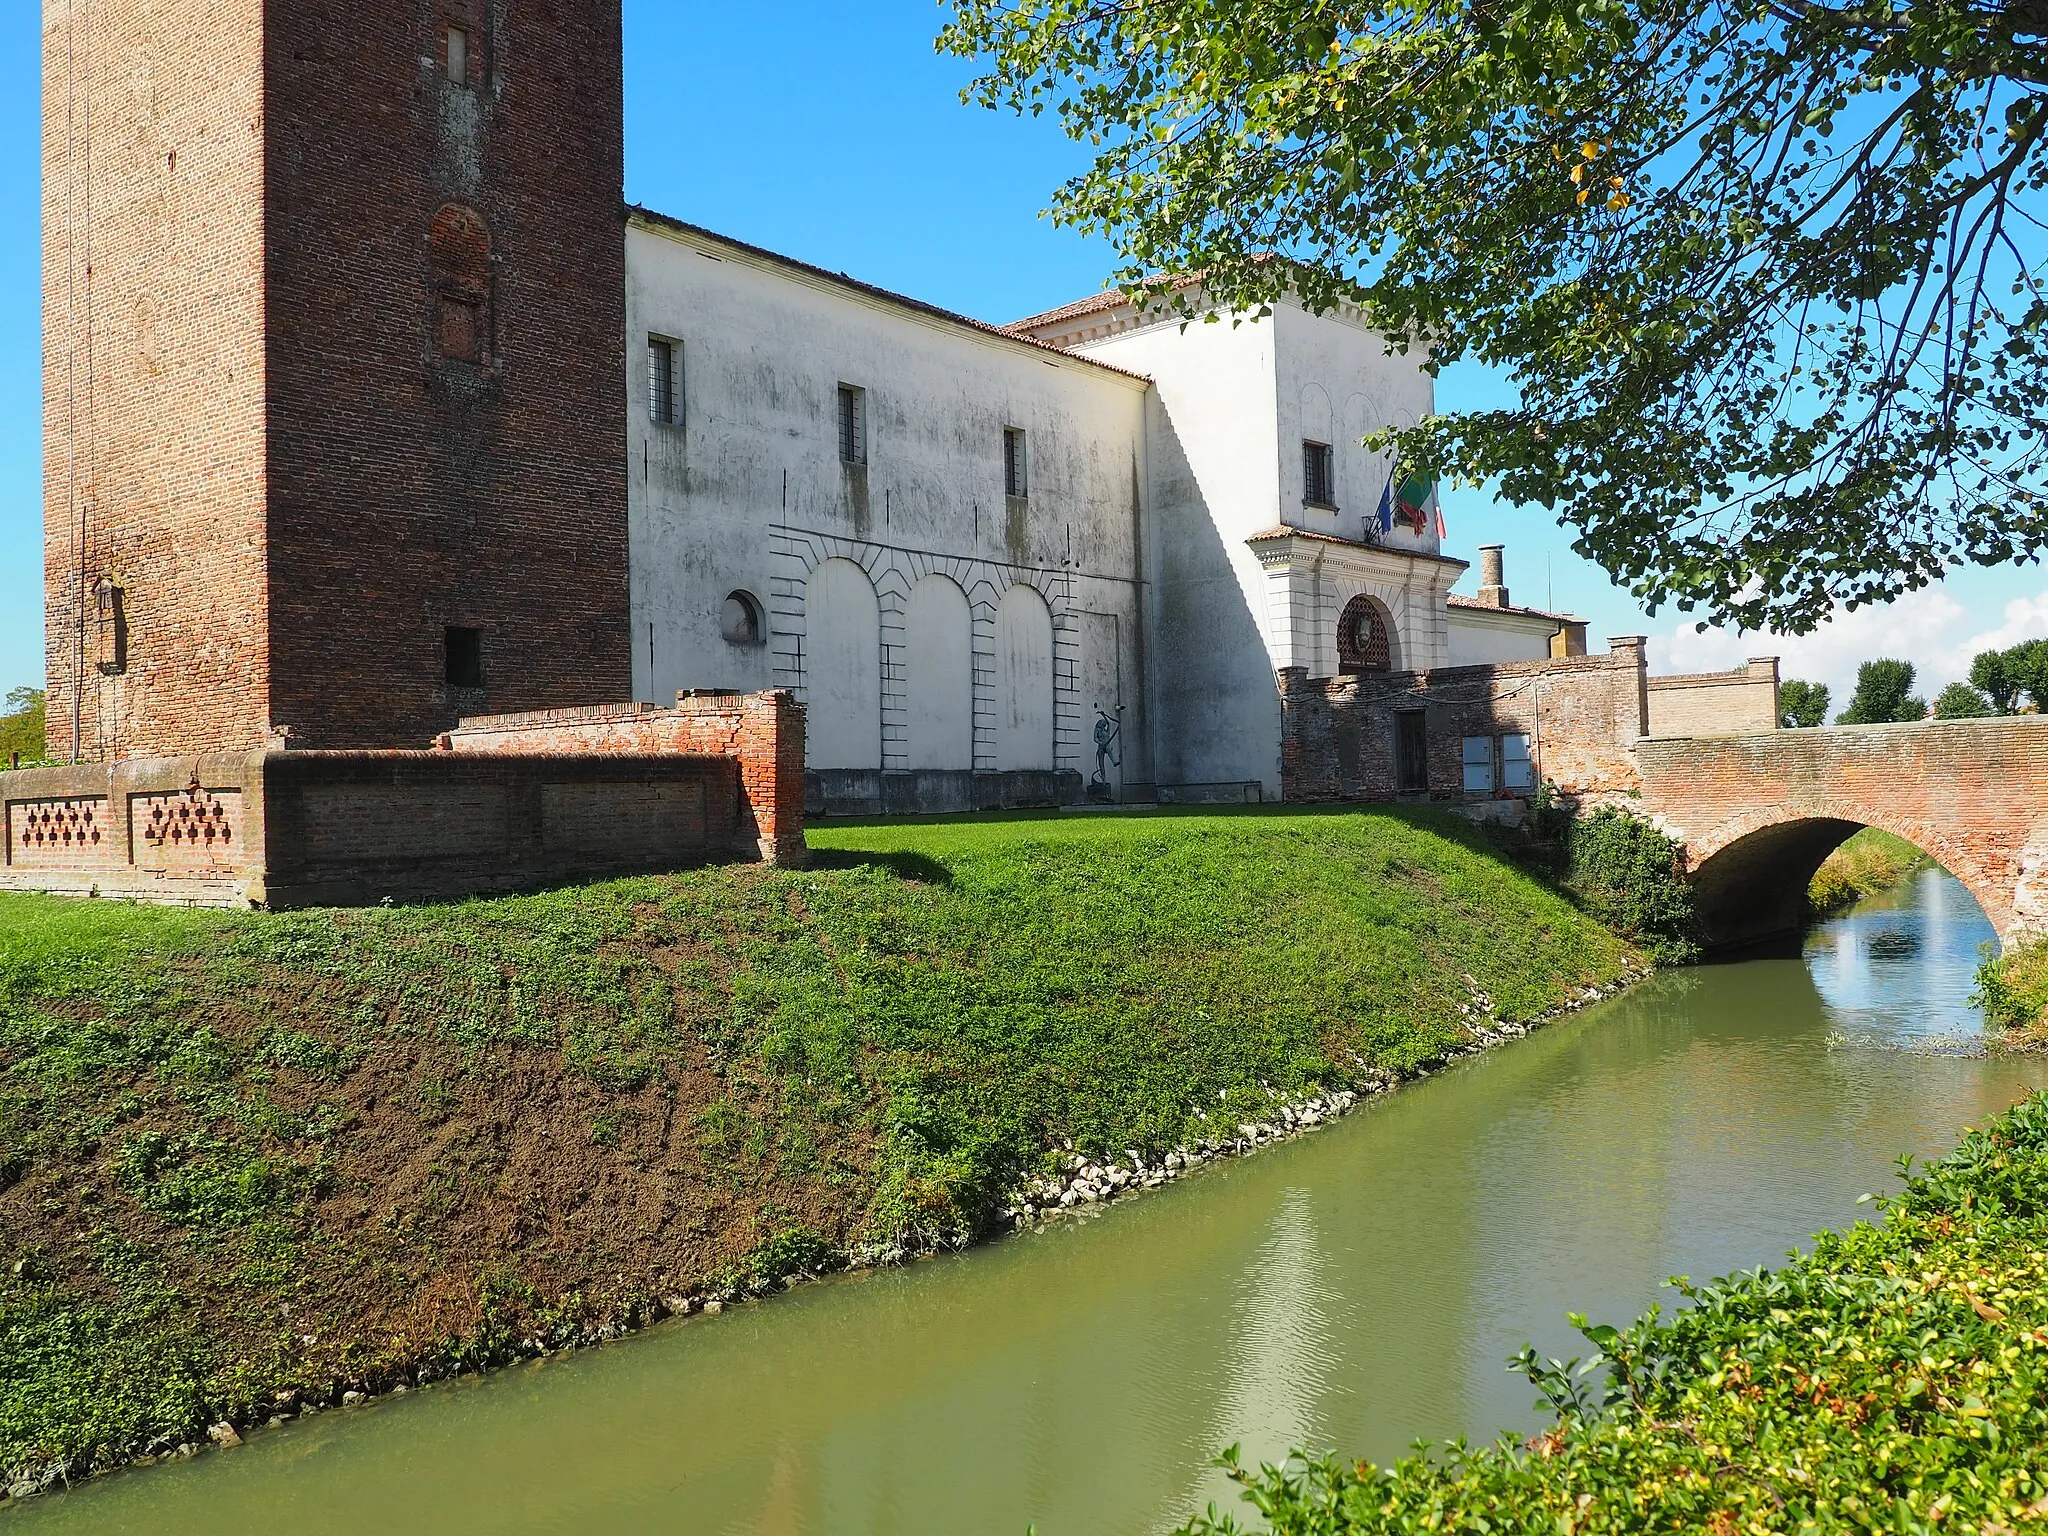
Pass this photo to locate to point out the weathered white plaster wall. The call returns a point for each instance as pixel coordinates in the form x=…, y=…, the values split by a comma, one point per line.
x=1233, y=405
x=1337, y=382
x=747, y=492
x=1478, y=636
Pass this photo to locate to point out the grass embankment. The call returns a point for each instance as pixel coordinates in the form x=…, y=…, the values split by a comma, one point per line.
x=248, y=1159
x=1867, y=863
x=2013, y=992
x=1895, y=1380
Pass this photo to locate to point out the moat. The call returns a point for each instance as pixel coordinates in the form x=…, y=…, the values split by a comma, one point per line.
x=1357, y=1289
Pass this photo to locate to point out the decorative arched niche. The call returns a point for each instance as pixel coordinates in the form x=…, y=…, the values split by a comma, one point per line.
x=1365, y=637
x=1024, y=680
x=938, y=676
x=843, y=678
x=459, y=260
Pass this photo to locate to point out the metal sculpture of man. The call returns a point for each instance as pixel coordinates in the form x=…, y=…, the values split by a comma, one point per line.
x=1109, y=731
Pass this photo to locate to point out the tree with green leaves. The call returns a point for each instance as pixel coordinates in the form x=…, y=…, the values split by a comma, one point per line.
x=21, y=728
x=1884, y=694
x=1992, y=674
x=2013, y=677
x=1768, y=279
x=1959, y=701
x=1802, y=705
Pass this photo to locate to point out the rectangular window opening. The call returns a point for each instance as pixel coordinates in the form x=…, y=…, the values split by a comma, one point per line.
x=1517, y=765
x=661, y=381
x=853, y=424
x=111, y=629
x=1411, y=751
x=465, y=658
x=1478, y=759
x=1016, y=467
x=458, y=55
x=1319, y=475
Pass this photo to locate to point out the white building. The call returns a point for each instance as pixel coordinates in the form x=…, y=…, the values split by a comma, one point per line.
x=973, y=550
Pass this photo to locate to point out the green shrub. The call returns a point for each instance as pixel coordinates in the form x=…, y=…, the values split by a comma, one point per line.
x=1627, y=874
x=2012, y=989
x=1894, y=1380
x=1867, y=863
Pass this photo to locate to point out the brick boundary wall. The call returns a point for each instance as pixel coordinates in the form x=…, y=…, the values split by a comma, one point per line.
x=1736, y=702
x=764, y=731
x=1582, y=714
x=1759, y=813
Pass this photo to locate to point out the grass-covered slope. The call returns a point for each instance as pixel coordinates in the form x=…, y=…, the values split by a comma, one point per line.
x=244, y=1155
x=1894, y=1380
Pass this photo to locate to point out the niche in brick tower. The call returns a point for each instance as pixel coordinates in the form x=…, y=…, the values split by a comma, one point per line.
x=459, y=255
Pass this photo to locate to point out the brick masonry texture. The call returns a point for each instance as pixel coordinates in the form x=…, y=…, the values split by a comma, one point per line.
x=251, y=427
x=1716, y=703
x=1582, y=715
x=1759, y=813
x=292, y=829
x=763, y=732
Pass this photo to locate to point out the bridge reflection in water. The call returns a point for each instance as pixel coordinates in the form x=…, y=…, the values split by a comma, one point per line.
x=1353, y=1290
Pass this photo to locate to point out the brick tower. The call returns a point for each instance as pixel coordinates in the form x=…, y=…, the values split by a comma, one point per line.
x=335, y=341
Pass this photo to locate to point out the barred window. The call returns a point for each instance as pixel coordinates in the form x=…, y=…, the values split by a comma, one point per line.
x=1319, y=474
x=662, y=355
x=1016, y=469
x=853, y=424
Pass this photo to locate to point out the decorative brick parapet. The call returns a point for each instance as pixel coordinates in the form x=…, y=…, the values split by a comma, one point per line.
x=183, y=829
x=764, y=732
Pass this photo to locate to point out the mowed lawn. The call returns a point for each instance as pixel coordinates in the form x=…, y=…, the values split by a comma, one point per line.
x=426, y=1134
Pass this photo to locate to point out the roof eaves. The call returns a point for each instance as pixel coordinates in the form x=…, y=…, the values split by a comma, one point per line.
x=855, y=285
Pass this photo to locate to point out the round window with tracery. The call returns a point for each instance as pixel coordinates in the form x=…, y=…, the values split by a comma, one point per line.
x=1364, y=638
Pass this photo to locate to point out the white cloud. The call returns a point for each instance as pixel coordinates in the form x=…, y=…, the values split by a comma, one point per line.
x=1928, y=628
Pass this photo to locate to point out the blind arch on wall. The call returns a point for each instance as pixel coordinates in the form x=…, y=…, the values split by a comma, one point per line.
x=1024, y=681
x=1365, y=637
x=843, y=673
x=938, y=668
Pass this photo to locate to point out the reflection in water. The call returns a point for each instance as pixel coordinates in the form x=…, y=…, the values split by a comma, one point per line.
x=1357, y=1289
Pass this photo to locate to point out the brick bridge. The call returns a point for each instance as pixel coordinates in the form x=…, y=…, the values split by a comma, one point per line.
x=1759, y=813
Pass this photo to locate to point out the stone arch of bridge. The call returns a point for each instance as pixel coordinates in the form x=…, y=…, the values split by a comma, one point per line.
x=1749, y=874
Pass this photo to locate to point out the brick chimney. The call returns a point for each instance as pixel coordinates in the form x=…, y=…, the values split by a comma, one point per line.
x=1492, y=578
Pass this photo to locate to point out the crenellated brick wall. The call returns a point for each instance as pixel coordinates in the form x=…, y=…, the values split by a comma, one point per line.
x=764, y=732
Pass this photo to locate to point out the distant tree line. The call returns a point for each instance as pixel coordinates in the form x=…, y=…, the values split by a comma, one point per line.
x=21, y=727
x=2009, y=682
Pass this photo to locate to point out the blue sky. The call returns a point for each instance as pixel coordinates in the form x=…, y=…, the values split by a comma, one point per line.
x=837, y=135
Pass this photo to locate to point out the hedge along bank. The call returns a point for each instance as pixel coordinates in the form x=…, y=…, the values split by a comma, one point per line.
x=1895, y=1379
x=254, y=1162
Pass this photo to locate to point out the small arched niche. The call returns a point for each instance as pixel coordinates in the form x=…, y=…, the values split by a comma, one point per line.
x=1365, y=638
x=740, y=619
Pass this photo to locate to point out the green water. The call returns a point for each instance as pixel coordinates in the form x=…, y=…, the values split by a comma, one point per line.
x=1356, y=1289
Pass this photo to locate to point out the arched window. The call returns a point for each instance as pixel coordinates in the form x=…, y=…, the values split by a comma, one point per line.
x=459, y=254
x=1365, y=638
